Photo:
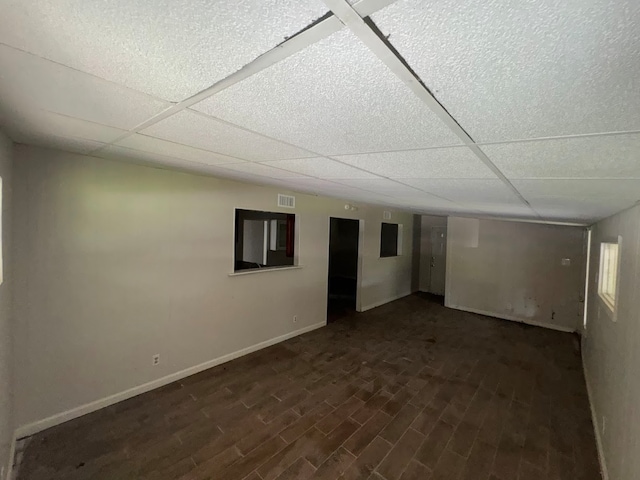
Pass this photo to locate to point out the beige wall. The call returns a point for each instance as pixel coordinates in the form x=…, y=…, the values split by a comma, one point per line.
x=118, y=262
x=611, y=350
x=427, y=221
x=6, y=364
x=515, y=271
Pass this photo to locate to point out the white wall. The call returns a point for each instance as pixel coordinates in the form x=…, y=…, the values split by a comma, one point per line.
x=118, y=262
x=6, y=364
x=611, y=350
x=515, y=271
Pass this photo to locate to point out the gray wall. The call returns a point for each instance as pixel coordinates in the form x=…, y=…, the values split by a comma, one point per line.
x=118, y=262
x=611, y=350
x=515, y=271
x=6, y=365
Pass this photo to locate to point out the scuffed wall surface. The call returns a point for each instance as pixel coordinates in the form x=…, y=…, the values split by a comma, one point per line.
x=516, y=271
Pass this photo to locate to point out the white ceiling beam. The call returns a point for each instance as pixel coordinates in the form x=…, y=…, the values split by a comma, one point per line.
x=317, y=31
x=388, y=55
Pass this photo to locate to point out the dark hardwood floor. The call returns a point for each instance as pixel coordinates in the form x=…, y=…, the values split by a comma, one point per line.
x=410, y=390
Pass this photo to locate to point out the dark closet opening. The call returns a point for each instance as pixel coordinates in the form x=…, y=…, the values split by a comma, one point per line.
x=343, y=268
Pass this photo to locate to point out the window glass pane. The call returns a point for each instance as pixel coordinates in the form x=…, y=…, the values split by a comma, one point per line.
x=608, y=275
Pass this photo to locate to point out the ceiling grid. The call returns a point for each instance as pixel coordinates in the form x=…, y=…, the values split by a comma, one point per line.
x=279, y=92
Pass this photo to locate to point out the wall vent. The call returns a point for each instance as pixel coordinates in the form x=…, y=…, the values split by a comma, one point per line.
x=287, y=201
x=386, y=215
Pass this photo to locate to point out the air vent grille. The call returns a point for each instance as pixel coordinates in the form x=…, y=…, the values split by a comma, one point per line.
x=287, y=201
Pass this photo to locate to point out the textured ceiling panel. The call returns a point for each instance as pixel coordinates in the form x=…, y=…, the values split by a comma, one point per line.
x=455, y=162
x=68, y=144
x=380, y=185
x=574, y=212
x=116, y=152
x=38, y=123
x=200, y=131
x=502, y=209
x=582, y=189
x=261, y=170
x=579, y=198
x=507, y=69
x=424, y=202
x=612, y=156
x=168, y=48
x=320, y=167
x=28, y=83
x=476, y=191
x=334, y=97
x=162, y=147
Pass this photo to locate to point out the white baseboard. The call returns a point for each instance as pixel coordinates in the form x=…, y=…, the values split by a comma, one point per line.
x=387, y=300
x=38, y=426
x=594, y=420
x=513, y=319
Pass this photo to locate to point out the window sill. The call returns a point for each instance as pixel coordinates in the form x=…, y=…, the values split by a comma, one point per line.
x=608, y=309
x=262, y=270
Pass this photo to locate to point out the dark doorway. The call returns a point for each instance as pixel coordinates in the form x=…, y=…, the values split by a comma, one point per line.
x=343, y=268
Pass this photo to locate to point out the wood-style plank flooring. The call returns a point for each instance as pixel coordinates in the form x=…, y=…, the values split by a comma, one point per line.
x=410, y=390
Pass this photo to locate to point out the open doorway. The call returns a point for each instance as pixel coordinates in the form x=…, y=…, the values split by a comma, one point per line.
x=343, y=268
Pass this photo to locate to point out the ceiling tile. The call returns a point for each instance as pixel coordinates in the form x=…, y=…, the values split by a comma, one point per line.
x=68, y=144
x=612, y=156
x=30, y=83
x=425, y=202
x=335, y=97
x=261, y=170
x=513, y=210
x=118, y=152
x=580, y=198
x=511, y=69
x=204, y=132
x=167, y=48
x=162, y=147
x=583, y=189
x=320, y=167
x=380, y=185
x=473, y=191
x=574, y=213
x=454, y=162
x=39, y=123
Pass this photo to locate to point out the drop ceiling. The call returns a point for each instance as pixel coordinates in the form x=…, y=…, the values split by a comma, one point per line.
x=497, y=108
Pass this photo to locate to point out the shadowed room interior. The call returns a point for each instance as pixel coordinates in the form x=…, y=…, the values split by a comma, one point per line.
x=319, y=239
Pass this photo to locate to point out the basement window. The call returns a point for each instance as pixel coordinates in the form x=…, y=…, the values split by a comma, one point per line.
x=264, y=240
x=608, y=274
x=390, y=240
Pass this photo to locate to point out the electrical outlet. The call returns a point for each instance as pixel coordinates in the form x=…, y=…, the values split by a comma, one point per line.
x=295, y=319
x=156, y=359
